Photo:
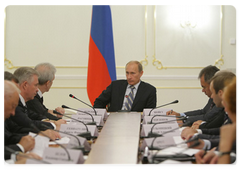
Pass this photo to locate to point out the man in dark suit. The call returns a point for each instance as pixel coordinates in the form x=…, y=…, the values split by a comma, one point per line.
x=46, y=73
x=16, y=142
x=28, y=85
x=218, y=82
x=210, y=112
x=131, y=94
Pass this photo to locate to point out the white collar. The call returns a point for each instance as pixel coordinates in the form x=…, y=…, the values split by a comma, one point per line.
x=22, y=100
x=40, y=93
x=136, y=85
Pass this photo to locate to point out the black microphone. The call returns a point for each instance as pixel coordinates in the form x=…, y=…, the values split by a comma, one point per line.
x=87, y=134
x=79, y=147
x=33, y=126
x=72, y=96
x=92, y=123
x=151, y=134
x=24, y=156
x=181, y=118
x=175, y=101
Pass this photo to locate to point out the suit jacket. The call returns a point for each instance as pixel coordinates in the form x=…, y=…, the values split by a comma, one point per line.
x=115, y=92
x=22, y=119
x=214, y=116
x=201, y=111
x=10, y=140
x=36, y=105
x=7, y=152
x=215, y=120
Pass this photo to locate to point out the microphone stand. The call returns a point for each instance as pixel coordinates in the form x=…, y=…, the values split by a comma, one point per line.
x=176, y=101
x=80, y=147
x=25, y=156
x=70, y=95
x=93, y=122
x=86, y=135
x=69, y=158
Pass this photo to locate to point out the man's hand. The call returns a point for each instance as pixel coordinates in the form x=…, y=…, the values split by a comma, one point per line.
x=21, y=157
x=188, y=131
x=196, y=124
x=53, y=135
x=60, y=110
x=205, y=158
x=171, y=112
x=27, y=142
x=59, y=122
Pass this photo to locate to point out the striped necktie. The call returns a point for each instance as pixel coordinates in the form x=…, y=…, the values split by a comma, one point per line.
x=130, y=98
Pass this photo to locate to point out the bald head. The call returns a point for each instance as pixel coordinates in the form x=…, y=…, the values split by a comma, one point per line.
x=11, y=97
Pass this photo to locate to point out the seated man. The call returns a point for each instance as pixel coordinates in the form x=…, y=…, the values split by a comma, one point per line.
x=131, y=94
x=218, y=82
x=210, y=111
x=17, y=142
x=28, y=81
x=46, y=73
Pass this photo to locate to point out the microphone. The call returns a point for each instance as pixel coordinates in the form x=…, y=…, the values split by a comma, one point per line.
x=72, y=96
x=151, y=134
x=80, y=147
x=87, y=134
x=181, y=118
x=33, y=126
x=24, y=156
x=175, y=101
x=93, y=122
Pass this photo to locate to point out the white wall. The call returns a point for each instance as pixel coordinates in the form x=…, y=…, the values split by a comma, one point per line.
x=60, y=35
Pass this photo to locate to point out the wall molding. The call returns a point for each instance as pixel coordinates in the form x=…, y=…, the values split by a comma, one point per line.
x=146, y=77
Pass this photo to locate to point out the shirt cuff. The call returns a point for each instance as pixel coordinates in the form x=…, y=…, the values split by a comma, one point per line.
x=199, y=131
x=21, y=147
x=182, y=114
x=10, y=161
x=54, y=126
x=207, y=145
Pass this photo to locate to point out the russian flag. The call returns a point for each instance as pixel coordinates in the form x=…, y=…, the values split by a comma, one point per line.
x=101, y=61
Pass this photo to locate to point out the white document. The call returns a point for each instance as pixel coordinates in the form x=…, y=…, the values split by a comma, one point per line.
x=41, y=142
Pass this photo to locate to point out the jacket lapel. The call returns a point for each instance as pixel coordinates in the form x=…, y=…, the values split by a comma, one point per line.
x=122, y=90
x=139, y=94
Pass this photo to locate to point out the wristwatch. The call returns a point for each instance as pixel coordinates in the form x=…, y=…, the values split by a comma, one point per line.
x=223, y=153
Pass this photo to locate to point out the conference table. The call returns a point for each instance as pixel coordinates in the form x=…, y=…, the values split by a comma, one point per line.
x=118, y=142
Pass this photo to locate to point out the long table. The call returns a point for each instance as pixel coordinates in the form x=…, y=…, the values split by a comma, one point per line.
x=118, y=141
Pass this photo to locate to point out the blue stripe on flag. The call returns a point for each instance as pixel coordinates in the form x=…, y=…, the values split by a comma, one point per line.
x=102, y=35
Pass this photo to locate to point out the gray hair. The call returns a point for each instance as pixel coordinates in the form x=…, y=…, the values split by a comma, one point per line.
x=46, y=72
x=140, y=68
x=25, y=74
x=10, y=88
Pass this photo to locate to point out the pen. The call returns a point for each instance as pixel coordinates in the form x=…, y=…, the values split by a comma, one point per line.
x=171, y=112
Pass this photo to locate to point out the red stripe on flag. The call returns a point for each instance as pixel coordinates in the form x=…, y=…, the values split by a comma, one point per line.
x=98, y=75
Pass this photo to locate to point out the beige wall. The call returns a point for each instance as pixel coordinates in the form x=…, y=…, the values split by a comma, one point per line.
x=60, y=35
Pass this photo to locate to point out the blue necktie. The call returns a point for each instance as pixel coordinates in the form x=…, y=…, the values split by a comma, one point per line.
x=130, y=98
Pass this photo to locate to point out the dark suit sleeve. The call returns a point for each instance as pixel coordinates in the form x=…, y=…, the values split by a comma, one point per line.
x=216, y=121
x=152, y=99
x=8, y=149
x=9, y=137
x=104, y=98
x=36, y=106
x=200, y=111
x=211, y=131
x=22, y=120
